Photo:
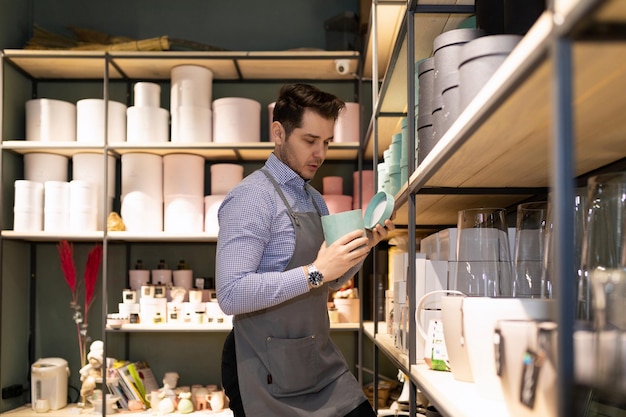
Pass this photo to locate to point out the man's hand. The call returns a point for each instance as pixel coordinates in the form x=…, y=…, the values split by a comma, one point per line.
x=333, y=261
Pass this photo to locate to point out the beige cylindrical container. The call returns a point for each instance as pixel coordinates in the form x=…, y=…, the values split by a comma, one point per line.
x=191, y=85
x=147, y=94
x=332, y=185
x=224, y=177
x=183, y=174
x=83, y=210
x=147, y=125
x=338, y=203
x=347, y=125
x=49, y=120
x=142, y=212
x=192, y=124
x=28, y=206
x=90, y=167
x=142, y=172
x=270, y=120
x=211, y=206
x=42, y=167
x=90, y=121
x=183, y=214
x=236, y=119
x=56, y=206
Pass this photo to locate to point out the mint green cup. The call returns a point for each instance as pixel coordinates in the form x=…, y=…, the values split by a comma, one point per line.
x=339, y=224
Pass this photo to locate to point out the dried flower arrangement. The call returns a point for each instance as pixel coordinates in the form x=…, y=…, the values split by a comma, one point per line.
x=87, y=285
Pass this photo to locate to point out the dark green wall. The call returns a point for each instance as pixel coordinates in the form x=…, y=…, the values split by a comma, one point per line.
x=32, y=270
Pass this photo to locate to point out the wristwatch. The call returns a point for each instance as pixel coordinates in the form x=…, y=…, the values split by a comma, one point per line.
x=316, y=279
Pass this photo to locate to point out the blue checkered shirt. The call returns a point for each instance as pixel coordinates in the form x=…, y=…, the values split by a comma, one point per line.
x=256, y=240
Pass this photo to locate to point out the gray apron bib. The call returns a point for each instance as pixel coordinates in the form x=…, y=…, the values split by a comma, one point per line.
x=286, y=363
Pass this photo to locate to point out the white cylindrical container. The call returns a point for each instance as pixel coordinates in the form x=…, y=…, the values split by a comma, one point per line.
x=183, y=278
x=28, y=206
x=183, y=214
x=49, y=120
x=90, y=121
x=162, y=276
x=90, y=167
x=212, y=204
x=142, y=172
x=82, y=194
x=224, y=177
x=142, y=213
x=147, y=125
x=138, y=278
x=347, y=125
x=183, y=174
x=147, y=94
x=192, y=124
x=28, y=195
x=192, y=85
x=56, y=206
x=42, y=167
x=236, y=119
x=270, y=120
x=83, y=210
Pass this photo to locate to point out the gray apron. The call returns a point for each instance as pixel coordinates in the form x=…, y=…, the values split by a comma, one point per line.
x=287, y=365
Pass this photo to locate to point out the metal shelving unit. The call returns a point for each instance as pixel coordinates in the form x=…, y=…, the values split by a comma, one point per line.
x=536, y=126
x=106, y=68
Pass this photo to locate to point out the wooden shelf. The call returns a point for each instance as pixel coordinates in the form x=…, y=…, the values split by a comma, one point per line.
x=465, y=400
x=437, y=385
x=228, y=65
x=98, y=236
x=502, y=139
x=52, y=237
x=386, y=344
x=393, y=99
x=224, y=327
x=249, y=151
x=73, y=410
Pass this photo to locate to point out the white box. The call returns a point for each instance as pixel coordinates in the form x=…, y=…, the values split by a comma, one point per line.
x=398, y=263
x=429, y=246
x=447, y=244
x=430, y=276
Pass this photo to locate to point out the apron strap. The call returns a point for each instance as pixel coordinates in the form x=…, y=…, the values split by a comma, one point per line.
x=294, y=218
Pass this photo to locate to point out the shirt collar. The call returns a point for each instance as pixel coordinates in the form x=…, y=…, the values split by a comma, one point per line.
x=282, y=173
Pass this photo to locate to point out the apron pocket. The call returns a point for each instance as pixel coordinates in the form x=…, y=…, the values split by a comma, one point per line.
x=293, y=365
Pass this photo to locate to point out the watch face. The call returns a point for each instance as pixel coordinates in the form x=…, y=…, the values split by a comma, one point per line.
x=315, y=278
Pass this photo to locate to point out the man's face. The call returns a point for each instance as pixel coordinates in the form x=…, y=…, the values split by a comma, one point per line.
x=305, y=149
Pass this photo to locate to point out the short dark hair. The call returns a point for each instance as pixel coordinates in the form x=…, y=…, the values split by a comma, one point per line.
x=293, y=99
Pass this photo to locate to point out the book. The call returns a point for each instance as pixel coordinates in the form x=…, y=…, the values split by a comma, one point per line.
x=113, y=385
x=137, y=380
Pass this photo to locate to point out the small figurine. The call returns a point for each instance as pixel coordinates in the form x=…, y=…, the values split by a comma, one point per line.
x=168, y=399
x=185, y=406
x=92, y=372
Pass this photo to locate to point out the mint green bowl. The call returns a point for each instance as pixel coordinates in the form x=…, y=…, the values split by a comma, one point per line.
x=379, y=209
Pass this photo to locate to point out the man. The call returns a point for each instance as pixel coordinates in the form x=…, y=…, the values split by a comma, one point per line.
x=274, y=272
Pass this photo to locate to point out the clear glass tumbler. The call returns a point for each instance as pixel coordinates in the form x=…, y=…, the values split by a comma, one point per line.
x=484, y=267
x=604, y=269
x=530, y=240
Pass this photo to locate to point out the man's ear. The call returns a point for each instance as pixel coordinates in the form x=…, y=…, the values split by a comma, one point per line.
x=278, y=132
